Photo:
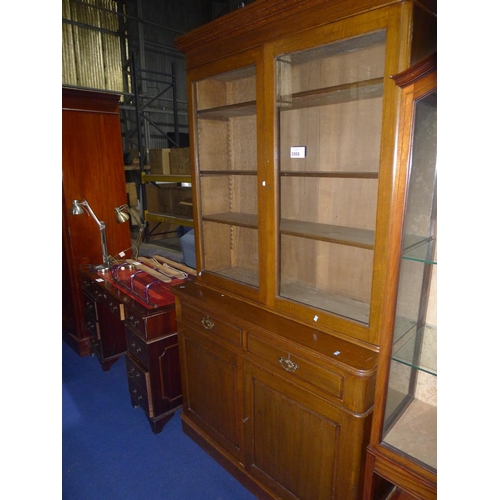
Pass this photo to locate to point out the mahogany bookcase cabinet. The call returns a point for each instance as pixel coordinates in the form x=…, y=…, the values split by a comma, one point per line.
x=92, y=169
x=293, y=128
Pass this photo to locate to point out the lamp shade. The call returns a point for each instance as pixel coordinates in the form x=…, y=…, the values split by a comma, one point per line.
x=76, y=208
x=121, y=215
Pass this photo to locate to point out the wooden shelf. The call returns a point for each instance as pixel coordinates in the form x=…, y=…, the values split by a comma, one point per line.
x=367, y=89
x=361, y=238
x=327, y=301
x=228, y=172
x=178, y=220
x=233, y=219
x=332, y=175
x=164, y=178
x=229, y=111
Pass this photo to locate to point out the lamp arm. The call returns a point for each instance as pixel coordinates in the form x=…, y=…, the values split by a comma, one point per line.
x=85, y=204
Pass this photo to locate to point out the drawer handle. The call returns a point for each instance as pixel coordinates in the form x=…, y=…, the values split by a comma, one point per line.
x=288, y=364
x=207, y=323
x=133, y=321
x=136, y=349
x=112, y=307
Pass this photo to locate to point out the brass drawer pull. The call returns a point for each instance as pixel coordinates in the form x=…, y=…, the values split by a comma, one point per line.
x=133, y=321
x=288, y=364
x=207, y=323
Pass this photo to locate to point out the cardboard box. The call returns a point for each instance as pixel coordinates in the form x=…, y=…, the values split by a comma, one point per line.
x=134, y=157
x=132, y=194
x=157, y=230
x=160, y=161
x=176, y=200
x=179, y=161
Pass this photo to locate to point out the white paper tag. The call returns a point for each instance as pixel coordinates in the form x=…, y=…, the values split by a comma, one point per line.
x=298, y=152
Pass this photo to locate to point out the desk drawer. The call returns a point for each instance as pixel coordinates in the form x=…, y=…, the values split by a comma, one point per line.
x=136, y=374
x=137, y=347
x=292, y=361
x=89, y=306
x=91, y=288
x=153, y=325
x=92, y=326
x=211, y=324
x=114, y=305
x=140, y=398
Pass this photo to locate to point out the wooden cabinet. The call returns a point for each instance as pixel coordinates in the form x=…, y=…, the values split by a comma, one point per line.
x=284, y=407
x=403, y=447
x=293, y=132
x=92, y=168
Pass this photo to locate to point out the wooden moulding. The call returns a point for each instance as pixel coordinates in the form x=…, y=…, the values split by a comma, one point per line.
x=266, y=20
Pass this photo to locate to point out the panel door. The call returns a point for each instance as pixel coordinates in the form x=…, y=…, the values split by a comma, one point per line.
x=298, y=444
x=211, y=389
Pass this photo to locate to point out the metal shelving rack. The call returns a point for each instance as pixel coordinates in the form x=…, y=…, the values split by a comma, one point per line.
x=143, y=106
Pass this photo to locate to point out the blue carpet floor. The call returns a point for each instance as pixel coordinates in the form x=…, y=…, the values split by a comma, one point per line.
x=110, y=453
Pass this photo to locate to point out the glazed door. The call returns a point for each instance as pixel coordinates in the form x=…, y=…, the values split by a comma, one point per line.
x=411, y=405
x=226, y=135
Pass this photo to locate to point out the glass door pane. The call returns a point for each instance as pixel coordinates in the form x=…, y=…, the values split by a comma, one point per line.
x=410, y=423
x=329, y=104
x=226, y=127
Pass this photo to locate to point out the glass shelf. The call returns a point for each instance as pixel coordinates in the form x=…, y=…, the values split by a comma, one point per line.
x=420, y=252
x=422, y=341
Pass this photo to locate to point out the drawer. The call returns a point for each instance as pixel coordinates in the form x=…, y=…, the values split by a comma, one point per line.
x=152, y=325
x=140, y=398
x=114, y=305
x=136, y=322
x=89, y=306
x=136, y=374
x=92, y=326
x=211, y=324
x=295, y=363
x=91, y=288
x=95, y=346
x=137, y=347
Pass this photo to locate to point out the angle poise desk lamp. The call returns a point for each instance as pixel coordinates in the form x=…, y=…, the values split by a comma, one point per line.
x=122, y=214
x=78, y=208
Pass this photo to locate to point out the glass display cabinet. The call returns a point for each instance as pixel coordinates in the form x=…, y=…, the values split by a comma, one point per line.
x=403, y=449
x=293, y=132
